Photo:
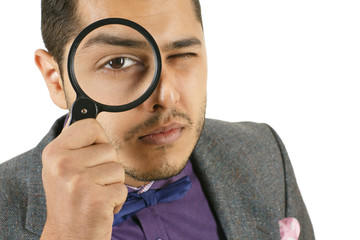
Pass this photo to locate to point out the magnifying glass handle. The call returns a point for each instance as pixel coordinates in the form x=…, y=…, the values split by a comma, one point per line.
x=83, y=108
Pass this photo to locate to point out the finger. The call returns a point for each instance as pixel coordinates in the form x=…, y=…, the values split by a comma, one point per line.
x=117, y=194
x=91, y=156
x=117, y=209
x=107, y=174
x=67, y=162
x=82, y=133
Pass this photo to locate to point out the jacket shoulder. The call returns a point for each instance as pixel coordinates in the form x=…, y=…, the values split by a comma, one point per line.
x=245, y=149
x=235, y=133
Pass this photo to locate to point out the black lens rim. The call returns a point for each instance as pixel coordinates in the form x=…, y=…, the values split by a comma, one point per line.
x=71, y=71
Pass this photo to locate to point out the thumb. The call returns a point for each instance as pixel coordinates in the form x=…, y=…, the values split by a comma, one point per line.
x=117, y=209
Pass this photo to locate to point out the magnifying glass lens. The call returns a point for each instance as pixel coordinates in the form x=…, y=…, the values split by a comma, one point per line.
x=114, y=64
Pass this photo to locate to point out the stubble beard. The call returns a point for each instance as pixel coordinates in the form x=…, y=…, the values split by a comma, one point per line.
x=165, y=168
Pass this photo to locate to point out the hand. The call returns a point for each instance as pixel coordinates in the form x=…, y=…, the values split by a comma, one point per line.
x=83, y=182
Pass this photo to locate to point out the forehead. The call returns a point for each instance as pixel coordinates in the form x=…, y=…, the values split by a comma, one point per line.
x=164, y=19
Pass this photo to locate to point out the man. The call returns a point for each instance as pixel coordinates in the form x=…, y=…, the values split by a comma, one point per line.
x=71, y=185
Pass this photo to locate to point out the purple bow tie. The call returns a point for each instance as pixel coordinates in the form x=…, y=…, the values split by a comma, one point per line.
x=135, y=202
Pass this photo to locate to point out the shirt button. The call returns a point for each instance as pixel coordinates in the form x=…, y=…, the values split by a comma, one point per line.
x=158, y=239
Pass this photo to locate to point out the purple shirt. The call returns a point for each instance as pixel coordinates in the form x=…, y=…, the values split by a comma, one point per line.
x=188, y=218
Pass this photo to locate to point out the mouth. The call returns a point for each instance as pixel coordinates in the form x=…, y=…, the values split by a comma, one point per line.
x=163, y=135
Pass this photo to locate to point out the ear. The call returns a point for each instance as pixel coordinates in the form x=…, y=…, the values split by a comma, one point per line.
x=51, y=74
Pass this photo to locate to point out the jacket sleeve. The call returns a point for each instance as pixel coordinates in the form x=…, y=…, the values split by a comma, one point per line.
x=294, y=204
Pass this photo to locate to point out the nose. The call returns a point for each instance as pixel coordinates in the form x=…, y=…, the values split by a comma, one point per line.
x=166, y=95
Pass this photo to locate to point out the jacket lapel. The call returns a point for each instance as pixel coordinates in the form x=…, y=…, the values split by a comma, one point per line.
x=36, y=209
x=36, y=204
x=238, y=203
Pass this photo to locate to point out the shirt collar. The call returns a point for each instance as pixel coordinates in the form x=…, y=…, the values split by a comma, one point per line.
x=141, y=189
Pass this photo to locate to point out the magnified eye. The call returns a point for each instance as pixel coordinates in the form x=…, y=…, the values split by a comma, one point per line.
x=120, y=62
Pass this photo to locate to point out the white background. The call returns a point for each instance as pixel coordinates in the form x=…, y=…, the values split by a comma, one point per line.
x=292, y=64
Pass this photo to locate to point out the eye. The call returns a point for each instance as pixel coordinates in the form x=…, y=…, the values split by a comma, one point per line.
x=119, y=63
x=182, y=56
x=186, y=55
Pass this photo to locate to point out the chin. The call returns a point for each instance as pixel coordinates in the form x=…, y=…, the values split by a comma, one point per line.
x=159, y=171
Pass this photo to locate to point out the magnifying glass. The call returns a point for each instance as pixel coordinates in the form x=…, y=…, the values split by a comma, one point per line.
x=114, y=65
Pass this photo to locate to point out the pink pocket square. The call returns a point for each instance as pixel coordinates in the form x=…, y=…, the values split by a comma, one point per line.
x=289, y=229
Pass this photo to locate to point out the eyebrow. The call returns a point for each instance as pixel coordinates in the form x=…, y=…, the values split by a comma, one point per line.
x=183, y=43
x=132, y=43
x=115, y=41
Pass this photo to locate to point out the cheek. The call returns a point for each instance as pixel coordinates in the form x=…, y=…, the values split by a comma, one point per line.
x=116, y=124
x=69, y=91
x=192, y=83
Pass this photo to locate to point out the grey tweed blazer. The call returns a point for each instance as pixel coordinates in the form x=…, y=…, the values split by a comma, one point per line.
x=244, y=168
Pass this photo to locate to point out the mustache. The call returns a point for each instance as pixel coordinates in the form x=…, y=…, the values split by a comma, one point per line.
x=157, y=119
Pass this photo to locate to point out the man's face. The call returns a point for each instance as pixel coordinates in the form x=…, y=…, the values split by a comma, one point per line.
x=154, y=140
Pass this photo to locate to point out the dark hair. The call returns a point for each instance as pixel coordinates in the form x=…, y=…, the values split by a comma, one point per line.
x=197, y=8
x=59, y=23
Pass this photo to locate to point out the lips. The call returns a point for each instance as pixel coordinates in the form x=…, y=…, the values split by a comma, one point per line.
x=163, y=135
